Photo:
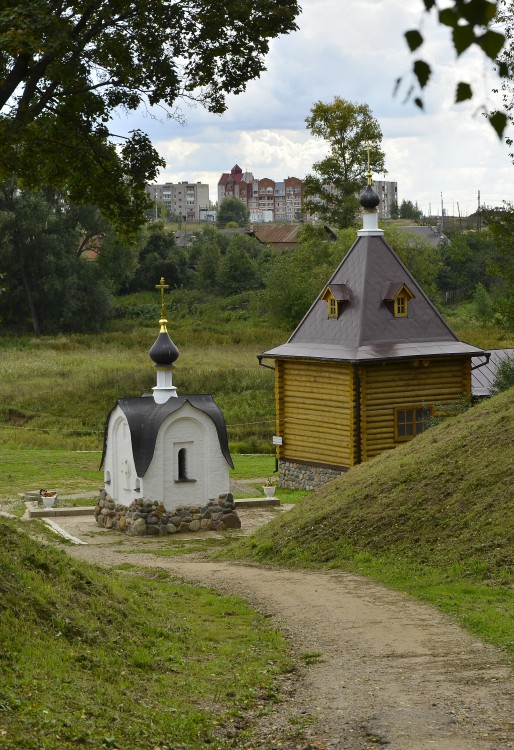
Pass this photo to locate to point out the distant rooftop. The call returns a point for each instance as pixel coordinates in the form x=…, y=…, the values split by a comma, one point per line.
x=432, y=234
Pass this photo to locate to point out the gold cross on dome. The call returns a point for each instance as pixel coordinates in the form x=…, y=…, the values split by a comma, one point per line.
x=368, y=174
x=162, y=286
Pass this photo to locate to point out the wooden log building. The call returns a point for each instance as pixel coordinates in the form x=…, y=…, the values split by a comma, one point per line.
x=369, y=363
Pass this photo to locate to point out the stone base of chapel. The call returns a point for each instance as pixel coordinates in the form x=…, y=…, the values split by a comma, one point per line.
x=149, y=517
x=301, y=475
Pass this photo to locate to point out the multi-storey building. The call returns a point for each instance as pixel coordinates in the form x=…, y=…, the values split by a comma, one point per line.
x=185, y=199
x=388, y=193
x=266, y=199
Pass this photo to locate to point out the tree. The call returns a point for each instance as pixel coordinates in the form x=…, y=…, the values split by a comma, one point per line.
x=331, y=192
x=159, y=256
x=483, y=304
x=467, y=258
x=422, y=257
x=294, y=277
x=232, y=210
x=237, y=271
x=409, y=210
x=49, y=282
x=66, y=67
x=470, y=23
x=500, y=225
x=504, y=378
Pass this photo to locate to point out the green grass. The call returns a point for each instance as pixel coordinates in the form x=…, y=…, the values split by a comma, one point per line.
x=57, y=392
x=129, y=660
x=249, y=466
x=67, y=471
x=464, y=321
x=72, y=472
x=434, y=518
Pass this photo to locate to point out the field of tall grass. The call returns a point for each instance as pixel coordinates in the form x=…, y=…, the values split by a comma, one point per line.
x=55, y=392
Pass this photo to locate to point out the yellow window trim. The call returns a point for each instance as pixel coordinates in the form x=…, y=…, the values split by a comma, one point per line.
x=401, y=306
x=333, y=307
x=410, y=421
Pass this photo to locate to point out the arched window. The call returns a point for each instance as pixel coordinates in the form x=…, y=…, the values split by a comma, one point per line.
x=182, y=464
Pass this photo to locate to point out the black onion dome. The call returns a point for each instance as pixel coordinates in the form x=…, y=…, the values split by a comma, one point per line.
x=164, y=351
x=368, y=198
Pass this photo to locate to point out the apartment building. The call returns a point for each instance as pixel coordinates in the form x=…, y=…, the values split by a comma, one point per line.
x=387, y=191
x=266, y=199
x=185, y=199
x=269, y=201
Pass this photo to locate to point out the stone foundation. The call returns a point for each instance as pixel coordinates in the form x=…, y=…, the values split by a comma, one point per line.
x=149, y=518
x=304, y=476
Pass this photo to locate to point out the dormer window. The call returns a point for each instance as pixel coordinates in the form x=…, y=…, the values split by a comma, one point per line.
x=398, y=295
x=335, y=295
x=400, y=307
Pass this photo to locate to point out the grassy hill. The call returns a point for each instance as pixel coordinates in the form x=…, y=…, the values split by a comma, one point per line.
x=434, y=517
x=124, y=659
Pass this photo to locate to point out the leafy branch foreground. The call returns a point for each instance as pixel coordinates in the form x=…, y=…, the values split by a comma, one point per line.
x=97, y=659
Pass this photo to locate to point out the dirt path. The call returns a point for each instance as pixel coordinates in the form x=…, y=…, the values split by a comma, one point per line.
x=389, y=672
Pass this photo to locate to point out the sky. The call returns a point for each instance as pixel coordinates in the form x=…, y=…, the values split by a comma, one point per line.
x=353, y=49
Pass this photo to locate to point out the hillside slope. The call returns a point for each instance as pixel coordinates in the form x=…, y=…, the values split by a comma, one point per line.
x=444, y=500
x=123, y=659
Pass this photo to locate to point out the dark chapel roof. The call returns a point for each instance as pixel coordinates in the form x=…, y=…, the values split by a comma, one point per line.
x=366, y=328
x=145, y=418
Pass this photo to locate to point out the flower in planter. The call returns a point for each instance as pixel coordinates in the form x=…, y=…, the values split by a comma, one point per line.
x=270, y=482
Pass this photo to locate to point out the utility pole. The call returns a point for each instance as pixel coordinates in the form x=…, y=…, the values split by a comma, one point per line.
x=442, y=214
x=479, y=215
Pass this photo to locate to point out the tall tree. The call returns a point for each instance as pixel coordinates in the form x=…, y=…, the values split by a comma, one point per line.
x=49, y=282
x=349, y=129
x=409, y=210
x=160, y=256
x=232, y=210
x=500, y=224
x=66, y=66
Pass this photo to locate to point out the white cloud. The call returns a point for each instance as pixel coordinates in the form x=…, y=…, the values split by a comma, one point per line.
x=354, y=49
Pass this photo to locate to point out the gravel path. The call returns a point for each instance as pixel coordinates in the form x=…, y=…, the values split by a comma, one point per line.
x=388, y=672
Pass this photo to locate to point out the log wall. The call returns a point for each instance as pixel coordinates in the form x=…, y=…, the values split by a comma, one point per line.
x=315, y=411
x=389, y=385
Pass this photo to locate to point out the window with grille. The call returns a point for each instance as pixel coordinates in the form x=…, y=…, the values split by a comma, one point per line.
x=400, y=307
x=410, y=422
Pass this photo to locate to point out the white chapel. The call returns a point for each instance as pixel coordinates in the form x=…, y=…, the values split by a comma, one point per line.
x=164, y=446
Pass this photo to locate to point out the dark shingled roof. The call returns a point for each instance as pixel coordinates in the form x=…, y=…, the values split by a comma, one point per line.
x=393, y=289
x=339, y=291
x=145, y=418
x=367, y=329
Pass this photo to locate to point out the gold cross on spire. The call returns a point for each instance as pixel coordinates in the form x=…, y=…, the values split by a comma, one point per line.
x=368, y=173
x=162, y=286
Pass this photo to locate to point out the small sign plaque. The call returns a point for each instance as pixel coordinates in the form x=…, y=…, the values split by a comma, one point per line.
x=277, y=440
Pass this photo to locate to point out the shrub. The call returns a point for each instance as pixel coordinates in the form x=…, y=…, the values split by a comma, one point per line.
x=504, y=376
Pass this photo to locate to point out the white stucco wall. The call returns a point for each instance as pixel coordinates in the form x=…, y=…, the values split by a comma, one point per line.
x=189, y=429
x=119, y=465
